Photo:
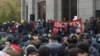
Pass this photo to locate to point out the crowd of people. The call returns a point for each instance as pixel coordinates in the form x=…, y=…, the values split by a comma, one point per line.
x=38, y=39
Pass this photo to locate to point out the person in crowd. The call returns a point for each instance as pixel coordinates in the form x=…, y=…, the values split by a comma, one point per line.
x=44, y=51
x=12, y=48
x=45, y=26
x=84, y=38
x=34, y=40
x=4, y=54
x=76, y=52
x=31, y=50
x=93, y=51
x=40, y=27
x=72, y=29
x=15, y=46
x=49, y=25
x=60, y=52
x=88, y=48
x=86, y=25
x=7, y=45
x=43, y=41
x=71, y=42
x=91, y=26
x=65, y=42
x=48, y=43
x=96, y=42
x=84, y=47
x=21, y=28
x=35, y=26
x=97, y=25
x=54, y=45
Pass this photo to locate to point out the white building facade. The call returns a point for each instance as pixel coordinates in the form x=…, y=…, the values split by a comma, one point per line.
x=59, y=9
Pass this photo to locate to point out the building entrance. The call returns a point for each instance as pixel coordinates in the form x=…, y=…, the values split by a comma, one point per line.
x=69, y=9
x=42, y=10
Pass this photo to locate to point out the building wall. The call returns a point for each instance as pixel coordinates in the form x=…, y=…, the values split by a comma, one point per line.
x=33, y=6
x=29, y=8
x=58, y=10
x=97, y=4
x=41, y=0
x=22, y=9
x=36, y=9
x=53, y=9
x=49, y=9
x=85, y=9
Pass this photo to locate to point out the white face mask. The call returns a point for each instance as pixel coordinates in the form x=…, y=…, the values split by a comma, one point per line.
x=29, y=36
x=98, y=39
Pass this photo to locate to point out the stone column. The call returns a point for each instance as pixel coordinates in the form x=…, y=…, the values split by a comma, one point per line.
x=59, y=10
x=36, y=10
x=22, y=9
x=55, y=9
x=33, y=6
x=29, y=9
x=49, y=10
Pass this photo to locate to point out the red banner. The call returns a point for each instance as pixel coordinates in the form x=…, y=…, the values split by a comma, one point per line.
x=76, y=23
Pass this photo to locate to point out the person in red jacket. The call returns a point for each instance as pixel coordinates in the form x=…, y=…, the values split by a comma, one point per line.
x=15, y=46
